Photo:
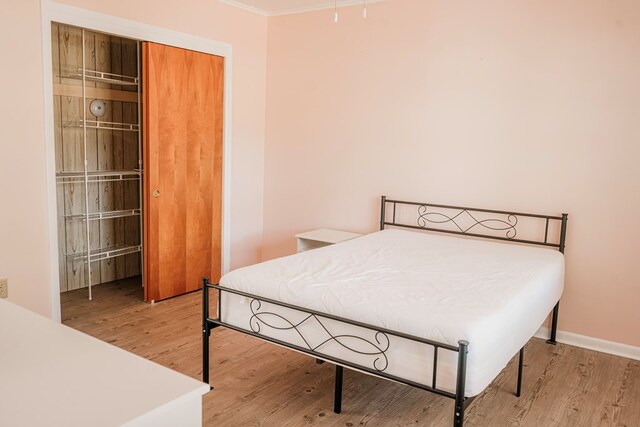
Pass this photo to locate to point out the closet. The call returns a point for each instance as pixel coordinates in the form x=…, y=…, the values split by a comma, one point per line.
x=138, y=142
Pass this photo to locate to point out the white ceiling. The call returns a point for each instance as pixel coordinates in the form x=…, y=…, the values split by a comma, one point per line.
x=283, y=7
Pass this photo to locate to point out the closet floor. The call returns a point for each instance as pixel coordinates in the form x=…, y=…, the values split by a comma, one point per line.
x=110, y=300
x=258, y=383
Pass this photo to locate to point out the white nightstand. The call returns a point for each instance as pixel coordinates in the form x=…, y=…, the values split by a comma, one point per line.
x=322, y=237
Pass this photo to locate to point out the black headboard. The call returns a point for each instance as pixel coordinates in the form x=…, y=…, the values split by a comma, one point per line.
x=498, y=225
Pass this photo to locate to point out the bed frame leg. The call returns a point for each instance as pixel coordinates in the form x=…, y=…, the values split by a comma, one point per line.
x=206, y=331
x=554, y=325
x=520, y=365
x=458, y=415
x=337, y=399
x=383, y=203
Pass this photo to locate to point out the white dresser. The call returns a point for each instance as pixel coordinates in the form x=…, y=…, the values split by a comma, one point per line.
x=52, y=375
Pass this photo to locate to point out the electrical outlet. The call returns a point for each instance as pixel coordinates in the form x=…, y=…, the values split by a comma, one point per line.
x=4, y=288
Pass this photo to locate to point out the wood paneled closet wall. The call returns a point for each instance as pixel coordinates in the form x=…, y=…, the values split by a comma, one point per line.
x=184, y=162
x=107, y=150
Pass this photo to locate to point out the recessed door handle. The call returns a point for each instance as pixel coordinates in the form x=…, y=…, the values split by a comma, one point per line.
x=156, y=193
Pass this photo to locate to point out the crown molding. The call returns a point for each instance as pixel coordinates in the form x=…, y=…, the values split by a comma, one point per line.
x=245, y=7
x=304, y=9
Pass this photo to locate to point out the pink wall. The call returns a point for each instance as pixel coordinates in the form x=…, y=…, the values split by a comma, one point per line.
x=24, y=250
x=530, y=106
x=24, y=228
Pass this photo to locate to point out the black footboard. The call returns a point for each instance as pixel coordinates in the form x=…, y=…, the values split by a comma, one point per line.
x=380, y=345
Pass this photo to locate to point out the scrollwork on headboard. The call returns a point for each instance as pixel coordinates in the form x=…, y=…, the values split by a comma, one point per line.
x=496, y=224
x=475, y=222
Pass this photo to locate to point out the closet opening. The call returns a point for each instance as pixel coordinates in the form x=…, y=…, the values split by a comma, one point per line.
x=97, y=94
x=138, y=131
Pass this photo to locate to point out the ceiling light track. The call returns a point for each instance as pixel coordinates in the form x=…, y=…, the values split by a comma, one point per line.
x=282, y=7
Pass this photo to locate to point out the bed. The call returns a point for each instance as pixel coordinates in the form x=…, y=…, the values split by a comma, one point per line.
x=439, y=311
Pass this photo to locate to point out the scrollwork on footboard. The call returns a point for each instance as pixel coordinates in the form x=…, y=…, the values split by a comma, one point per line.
x=434, y=217
x=378, y=345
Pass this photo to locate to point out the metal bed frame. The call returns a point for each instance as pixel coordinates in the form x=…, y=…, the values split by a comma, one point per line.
x=461, y=220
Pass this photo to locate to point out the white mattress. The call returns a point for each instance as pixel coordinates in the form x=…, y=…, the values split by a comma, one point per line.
x=494, y=295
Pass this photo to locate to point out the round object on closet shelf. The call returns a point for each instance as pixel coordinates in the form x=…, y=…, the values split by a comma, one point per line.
x=98, y=107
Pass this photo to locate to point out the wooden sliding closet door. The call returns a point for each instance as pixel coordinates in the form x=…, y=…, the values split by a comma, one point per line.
x=183, y=106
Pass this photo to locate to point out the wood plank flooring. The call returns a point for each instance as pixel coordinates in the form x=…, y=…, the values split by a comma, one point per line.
x=259, y=384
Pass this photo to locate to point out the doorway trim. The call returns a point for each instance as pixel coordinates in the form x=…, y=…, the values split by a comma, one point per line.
x=71, y=15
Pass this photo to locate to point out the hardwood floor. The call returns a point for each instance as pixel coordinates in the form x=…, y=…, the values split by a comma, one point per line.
x=258, y=383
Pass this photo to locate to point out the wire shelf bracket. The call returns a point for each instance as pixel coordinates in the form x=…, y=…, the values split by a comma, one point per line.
x=100, y=254
x=105, y=215
x=94, y=124
x=102, y=77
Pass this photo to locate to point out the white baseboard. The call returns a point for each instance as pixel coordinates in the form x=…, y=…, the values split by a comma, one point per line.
x=590, y=343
